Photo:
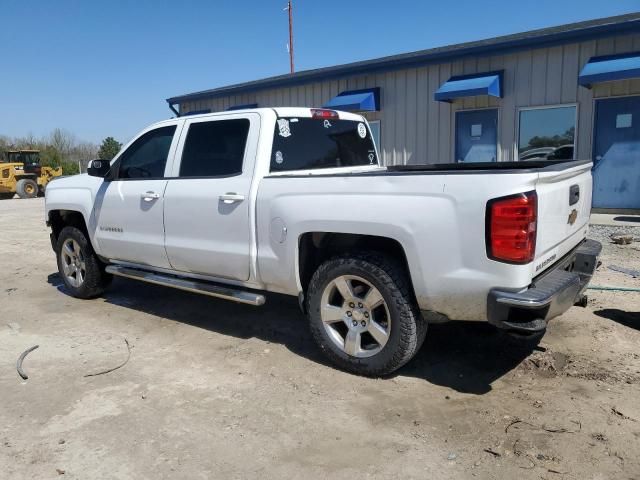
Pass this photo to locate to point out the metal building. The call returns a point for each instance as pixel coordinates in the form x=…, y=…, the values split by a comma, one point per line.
x=564, y=92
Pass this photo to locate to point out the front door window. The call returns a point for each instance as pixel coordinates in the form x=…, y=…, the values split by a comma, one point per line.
x=146, y=158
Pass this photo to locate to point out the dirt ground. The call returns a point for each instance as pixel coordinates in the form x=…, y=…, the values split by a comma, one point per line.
x=219, y=390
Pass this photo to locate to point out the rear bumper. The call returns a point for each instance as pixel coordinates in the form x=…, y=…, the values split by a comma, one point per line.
x=550, y=294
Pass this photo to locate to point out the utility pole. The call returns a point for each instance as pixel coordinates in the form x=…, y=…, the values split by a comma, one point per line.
x=290, y=8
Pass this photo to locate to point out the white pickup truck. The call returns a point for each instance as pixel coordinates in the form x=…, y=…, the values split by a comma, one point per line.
x=294, y=201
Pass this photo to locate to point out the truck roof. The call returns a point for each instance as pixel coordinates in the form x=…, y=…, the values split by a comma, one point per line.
x=282, y=112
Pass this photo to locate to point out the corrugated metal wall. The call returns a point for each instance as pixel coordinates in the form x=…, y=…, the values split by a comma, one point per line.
x=417, y=129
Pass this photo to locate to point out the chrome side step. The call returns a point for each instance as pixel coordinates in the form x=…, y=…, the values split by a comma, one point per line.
x=189, y=285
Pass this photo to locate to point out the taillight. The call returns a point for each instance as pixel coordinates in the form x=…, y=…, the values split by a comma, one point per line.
x=321, y=113
x=511, y=228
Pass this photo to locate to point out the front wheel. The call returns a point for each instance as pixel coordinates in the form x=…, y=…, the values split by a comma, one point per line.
x=81, y=270
x=27, y=188
x=363, y=314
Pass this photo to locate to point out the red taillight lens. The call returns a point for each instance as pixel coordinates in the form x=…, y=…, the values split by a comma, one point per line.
x=511, y=228
x=318, y=113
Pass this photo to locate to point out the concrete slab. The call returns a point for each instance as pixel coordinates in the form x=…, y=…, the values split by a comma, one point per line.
x=615, y=219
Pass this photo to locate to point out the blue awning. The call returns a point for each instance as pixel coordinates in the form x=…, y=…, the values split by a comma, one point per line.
x=243, y=107
x=367, y=100
x=470, y=86
x=610, y=67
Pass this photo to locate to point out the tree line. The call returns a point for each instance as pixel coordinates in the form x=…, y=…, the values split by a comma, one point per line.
x=62, y=149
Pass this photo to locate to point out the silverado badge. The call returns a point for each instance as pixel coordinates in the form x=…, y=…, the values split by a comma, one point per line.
x=572, y=217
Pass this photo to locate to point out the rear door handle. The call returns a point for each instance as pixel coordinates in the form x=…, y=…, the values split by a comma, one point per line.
x=230, y=198
x=150, y=196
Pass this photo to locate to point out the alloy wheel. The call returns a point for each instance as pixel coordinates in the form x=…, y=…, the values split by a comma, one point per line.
x=73, y=263
x=355, y=316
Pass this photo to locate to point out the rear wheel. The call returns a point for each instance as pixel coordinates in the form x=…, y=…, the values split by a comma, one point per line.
x=363, y=315
x=81, y=270
x=27, y=188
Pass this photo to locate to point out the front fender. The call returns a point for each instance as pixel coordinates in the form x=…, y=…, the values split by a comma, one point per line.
x=75, y=200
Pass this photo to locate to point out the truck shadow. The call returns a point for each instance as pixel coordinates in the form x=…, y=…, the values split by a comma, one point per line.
x=628, y=319
x=465, y=356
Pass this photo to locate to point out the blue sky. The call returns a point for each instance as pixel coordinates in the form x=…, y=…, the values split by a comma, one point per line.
x=100, y=68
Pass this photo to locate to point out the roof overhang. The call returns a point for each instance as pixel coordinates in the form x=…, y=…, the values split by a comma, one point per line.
x=609, y=68
x=546, y=37
x=489, y=83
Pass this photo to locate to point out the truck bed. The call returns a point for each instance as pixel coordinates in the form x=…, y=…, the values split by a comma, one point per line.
x=489, y=167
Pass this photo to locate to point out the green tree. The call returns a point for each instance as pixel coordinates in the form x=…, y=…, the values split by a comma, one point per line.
x=109, y=148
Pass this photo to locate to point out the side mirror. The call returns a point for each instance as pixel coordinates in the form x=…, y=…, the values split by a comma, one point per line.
x=98, y=168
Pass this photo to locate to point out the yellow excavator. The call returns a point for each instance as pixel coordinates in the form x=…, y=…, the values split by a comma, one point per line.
x=21, y=173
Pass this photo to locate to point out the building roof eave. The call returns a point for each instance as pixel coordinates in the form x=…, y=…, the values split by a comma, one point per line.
x=536, y=38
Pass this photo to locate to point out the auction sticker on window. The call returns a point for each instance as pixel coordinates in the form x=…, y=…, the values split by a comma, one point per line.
x=283, y=127
x=362, y=130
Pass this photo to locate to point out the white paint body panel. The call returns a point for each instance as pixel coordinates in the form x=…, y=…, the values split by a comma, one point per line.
x=203, y=234
x=131, y=228
x=437, y=217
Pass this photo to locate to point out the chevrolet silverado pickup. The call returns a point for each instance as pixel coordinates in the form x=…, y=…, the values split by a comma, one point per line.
x=295, y=201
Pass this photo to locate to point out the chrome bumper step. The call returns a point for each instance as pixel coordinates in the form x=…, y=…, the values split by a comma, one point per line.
x=189, y=285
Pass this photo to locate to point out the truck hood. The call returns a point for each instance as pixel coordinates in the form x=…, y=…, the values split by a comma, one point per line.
x=75, y=181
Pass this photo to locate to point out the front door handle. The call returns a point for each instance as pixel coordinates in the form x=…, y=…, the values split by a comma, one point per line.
x=230, y=198
x=150, y=196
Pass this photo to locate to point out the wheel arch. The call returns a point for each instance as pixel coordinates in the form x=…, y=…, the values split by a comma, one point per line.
x=58, y=219
x=316, y=247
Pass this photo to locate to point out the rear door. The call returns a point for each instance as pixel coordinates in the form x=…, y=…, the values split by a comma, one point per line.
x=207, y=211
x=564, y=206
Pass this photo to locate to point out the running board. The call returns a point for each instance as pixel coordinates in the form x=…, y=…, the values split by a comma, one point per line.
x=189, y=285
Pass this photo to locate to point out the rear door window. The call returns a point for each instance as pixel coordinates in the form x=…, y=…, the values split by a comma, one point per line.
x=310, y=143
x=214, y=149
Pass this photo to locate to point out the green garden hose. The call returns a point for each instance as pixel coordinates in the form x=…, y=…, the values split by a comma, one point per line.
x=619, y=289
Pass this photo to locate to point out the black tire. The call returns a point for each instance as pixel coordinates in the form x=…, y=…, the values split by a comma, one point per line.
x=27, y=188
x=407, y=328
x=95, y=277
x=6, y=196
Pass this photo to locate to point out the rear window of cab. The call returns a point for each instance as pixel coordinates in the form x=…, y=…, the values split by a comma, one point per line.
x=313, y=143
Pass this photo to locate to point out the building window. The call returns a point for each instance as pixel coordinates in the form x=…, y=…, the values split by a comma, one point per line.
x=374, y=126
x=547, y=133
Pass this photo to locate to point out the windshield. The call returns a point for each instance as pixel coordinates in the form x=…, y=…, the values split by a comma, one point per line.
x=27, y=158
x=310, y=143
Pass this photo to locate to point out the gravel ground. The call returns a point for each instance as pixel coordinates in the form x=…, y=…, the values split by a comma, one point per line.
x=613, y=255
x=218, y=390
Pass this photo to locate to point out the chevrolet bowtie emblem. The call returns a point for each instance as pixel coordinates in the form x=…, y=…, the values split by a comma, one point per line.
x=572, y=217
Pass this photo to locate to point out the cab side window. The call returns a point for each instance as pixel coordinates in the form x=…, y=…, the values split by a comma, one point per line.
x=147, y=156
x=215, y=149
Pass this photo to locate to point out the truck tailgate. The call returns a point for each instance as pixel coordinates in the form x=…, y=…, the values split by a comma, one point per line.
x=564, y=206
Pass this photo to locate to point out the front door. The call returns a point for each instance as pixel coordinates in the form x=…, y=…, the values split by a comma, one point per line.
x=129, y=208
x=208, y=202
x=477, y=135
x=616, y=171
